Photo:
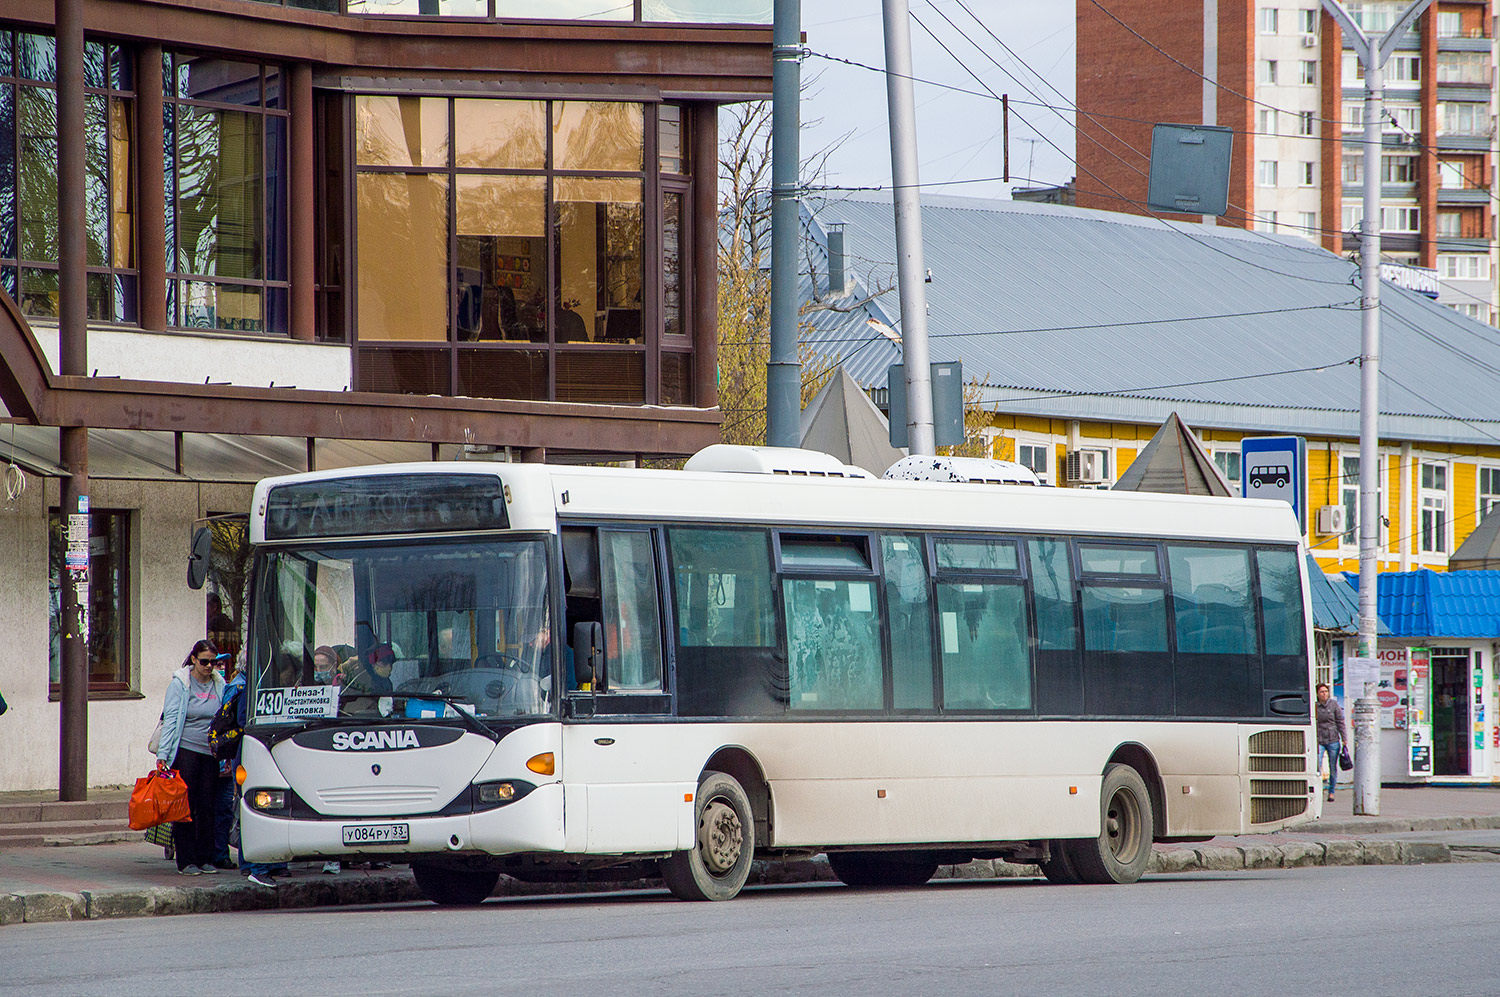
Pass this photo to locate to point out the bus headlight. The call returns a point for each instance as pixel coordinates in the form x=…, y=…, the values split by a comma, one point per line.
x=267, y=799
x=497, y=792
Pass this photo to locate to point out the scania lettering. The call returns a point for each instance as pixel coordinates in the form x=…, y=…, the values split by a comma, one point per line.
x=572, y=673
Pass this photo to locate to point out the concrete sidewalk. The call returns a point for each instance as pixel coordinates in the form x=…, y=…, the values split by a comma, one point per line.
x=132, y=879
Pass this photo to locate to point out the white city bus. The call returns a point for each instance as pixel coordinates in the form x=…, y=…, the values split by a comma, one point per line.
x=578, y=673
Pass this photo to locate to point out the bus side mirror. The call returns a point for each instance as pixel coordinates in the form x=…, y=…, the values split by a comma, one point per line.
x=588, y=654
x=198, y=558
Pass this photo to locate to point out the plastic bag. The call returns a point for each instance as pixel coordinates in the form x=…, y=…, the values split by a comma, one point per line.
x=158, y=798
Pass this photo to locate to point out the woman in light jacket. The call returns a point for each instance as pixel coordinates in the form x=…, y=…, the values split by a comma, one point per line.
x=193, y=697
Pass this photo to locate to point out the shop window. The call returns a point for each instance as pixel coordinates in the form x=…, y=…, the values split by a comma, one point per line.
x=28, y=177
x=110, y=601
x=225, y=129
x=486, y=224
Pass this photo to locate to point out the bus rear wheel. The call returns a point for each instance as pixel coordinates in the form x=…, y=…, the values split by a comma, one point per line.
x=718, y=865
x=1059, y=866
x=882, y=868
x=1123, y=849
x=452, y=887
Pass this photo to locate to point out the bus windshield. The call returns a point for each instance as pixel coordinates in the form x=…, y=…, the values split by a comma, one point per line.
x=369, y=631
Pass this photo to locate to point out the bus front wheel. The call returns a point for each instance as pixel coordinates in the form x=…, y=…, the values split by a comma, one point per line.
x=719, y=863
x=452, y=887
x=1123, y=849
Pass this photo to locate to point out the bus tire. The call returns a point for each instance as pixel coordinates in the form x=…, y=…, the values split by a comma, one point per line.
x=1123, y=849
x=717, y=867
x=1059, y=868
x=453, y=887
x=882, y=868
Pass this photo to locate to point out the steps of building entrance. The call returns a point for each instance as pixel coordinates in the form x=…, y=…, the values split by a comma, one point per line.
x=38, y=818
x=65, y=832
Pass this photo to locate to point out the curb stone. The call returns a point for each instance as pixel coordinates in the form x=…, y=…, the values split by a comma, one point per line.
x=12, y=909
x=1298, y=854
x=1342, y=852
x=1263, y=856
x=1380, y=853
x=48, y=906
x=1219, y=859
x=1423, y=852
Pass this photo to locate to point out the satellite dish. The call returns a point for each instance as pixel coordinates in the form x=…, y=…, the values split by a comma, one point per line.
x=198, y=558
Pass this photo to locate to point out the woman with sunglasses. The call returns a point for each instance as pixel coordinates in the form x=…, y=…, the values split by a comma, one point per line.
x=193, y=697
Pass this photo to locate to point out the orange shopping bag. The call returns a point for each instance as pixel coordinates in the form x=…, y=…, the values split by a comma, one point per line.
x=159, y=797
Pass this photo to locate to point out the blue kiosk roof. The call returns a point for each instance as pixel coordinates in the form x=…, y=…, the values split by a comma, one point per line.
x=1438, y=603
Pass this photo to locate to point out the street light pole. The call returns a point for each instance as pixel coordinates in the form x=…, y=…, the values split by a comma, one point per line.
x=1373, y=52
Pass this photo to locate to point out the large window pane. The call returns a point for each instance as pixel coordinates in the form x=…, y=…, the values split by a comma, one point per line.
x=1052, y=592
x=599, y=241
x=96, y=180
x=401, y=131
x=500, y=134
x=1117, y=618
x=711, y=11
x=976, y=555
x=121, y=198
x=833, y=645
x=986, y=646
x=909, y=615
x=225, y=307
x=221, y=81
x=219, y=192
x=36, y=124
x=502, y=257
x=672, y=254
x=426, y=8
x=570, y=10
x=403, y=257
x=109, y=597
x=632, y=630
x=1211, y=600
x=597, y=135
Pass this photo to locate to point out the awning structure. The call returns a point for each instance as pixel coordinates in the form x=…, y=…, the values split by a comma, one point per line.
x=141, y=455
x=1335, y=603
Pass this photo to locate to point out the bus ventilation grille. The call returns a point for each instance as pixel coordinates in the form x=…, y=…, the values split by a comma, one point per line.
x=1278, y=751
x=1276, y=799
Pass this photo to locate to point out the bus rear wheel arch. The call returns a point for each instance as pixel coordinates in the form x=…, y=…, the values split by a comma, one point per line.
x=718, y=865
x=1122, y=851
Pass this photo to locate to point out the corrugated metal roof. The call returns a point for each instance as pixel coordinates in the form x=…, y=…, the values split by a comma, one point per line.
x=1438, y=604
x=1092, y=313
x=1335, y=605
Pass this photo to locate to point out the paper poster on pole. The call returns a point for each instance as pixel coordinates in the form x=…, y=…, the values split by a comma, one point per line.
x=1357, y=672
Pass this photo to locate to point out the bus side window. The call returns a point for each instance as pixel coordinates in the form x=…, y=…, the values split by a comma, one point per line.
x=1059, y=682
x=632, y=611
x=909, y=613
x=1217, y=671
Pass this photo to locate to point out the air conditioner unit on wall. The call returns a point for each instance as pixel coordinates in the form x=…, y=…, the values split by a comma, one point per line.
x=1309, y=41
x=1084, y=467
x=1331, y=519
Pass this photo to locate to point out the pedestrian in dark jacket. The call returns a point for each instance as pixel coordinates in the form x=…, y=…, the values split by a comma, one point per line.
x=1331, y=733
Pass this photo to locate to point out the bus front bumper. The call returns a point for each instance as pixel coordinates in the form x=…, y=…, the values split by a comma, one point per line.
x=531, y=824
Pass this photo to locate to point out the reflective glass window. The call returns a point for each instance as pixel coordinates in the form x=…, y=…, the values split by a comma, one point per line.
x=985, y=641
x=632, y=627
x=833, y=645
x=1211, y=600
x=403, y=256
x=909, y=619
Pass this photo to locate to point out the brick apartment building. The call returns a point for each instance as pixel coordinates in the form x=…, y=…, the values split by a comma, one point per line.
x=1280, y=73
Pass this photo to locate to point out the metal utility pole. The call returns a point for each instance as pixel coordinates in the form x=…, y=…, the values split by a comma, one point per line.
x=1373, y=54
x=784, y=371
x=72, y=329
x=911, y=273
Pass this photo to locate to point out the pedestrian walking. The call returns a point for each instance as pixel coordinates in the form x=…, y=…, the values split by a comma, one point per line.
x=1331, y=733
x=193, y=697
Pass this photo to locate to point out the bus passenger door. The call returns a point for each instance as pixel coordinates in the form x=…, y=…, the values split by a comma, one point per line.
x=619, y=799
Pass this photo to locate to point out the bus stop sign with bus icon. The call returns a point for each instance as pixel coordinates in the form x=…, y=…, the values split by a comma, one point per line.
x=1275, y=467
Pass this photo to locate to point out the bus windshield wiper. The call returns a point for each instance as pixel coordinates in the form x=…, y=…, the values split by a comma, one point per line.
x=470, y=720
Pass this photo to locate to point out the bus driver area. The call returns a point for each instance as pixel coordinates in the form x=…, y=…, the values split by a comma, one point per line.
x=599, y=672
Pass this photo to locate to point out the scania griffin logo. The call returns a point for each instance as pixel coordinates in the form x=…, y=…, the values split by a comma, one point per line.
x=375, y=740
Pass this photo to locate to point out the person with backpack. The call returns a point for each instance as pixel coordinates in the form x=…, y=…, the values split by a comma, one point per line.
x=193, y=697
x=228, y=736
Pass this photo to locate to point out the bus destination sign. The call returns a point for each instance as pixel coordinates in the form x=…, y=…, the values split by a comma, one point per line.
x=383, y=504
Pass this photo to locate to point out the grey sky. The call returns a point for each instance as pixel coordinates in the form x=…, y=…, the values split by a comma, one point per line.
x=958, y=134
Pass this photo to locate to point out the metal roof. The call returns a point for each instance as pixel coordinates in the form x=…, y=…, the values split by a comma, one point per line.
x=1074, y=313
x=1438, y=603
x=1335, y=605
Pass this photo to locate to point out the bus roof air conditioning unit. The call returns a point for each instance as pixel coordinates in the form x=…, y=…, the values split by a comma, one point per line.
x=963, y=470
x=772, y=460
x=1084, y=467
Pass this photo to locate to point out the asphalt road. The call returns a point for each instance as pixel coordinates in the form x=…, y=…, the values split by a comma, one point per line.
x=1325, y=931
